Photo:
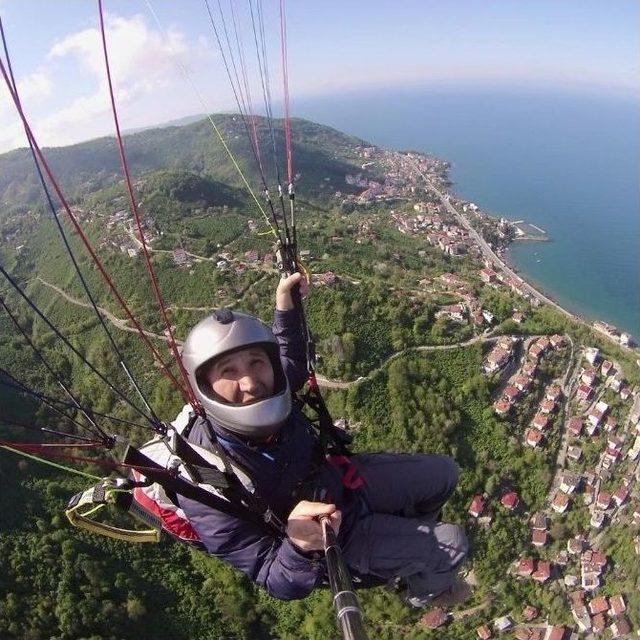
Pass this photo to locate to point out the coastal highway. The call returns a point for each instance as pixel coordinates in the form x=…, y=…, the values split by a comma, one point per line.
x=488, y=252
x=490, y=255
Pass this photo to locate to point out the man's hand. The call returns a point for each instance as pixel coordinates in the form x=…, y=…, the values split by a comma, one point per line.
x=284, y=302
x=303, y=525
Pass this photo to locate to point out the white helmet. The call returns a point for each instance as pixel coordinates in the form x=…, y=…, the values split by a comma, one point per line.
x=223, y=332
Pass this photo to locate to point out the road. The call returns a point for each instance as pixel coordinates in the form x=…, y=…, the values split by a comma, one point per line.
x=117, y=322
x=493, y=257
x=341, y=384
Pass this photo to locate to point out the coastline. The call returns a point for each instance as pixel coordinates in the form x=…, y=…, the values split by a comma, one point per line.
x=500, y=258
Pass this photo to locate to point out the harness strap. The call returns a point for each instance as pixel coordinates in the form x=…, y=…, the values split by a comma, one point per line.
x=175, y=484
x=108, y=491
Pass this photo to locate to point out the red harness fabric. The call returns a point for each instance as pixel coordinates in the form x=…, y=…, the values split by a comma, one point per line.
x=350, y=477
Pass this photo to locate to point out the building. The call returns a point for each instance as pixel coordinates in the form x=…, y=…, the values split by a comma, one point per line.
x=620, y=628
x=554, y=633
x=570, y=482
x=477, y=506
x=502, y=624
x=584, y=393
x=539, y=537
x=553, y=392
x=547, y=406
x=434, y=618
x=574, y=427
x=483, y=632
x=539, y=521
x=511, y=393
x=525, y=567
x=597, y=519
x=617, y=605
x=599, y=605
x=603, y=500
x=560, y=502
x=592, y=355
x=620, y=496
x=533, y=437
x=510, y=500
x=574, y=453
x=542, y=572
x=501, y=407
x=541, y=421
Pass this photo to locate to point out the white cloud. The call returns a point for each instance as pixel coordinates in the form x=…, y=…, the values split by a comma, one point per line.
x=140, y=58
x=146, y=72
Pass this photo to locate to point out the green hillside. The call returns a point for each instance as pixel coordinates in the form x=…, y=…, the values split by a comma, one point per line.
x=405, y=373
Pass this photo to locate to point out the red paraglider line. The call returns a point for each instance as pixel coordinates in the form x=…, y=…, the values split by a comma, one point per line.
x=134, y=209
x=82, y=235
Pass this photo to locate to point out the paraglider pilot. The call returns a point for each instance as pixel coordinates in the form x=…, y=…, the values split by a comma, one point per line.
x=384, y=507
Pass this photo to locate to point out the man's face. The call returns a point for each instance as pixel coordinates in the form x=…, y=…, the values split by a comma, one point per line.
x=243, y=376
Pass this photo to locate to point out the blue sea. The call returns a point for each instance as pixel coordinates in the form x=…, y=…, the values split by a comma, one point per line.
x=567, y=161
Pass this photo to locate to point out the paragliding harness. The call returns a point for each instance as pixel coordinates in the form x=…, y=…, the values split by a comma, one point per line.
x=169, y=466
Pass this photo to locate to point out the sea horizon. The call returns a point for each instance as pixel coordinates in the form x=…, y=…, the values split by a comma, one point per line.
x=564, y=160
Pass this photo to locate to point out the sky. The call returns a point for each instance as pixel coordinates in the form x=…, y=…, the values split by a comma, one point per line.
x=166, y=63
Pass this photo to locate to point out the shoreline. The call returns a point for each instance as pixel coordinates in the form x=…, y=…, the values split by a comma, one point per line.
x=500, y=257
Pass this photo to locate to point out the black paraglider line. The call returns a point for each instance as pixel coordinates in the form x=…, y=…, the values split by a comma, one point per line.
x=154, y=418
x=52, y=402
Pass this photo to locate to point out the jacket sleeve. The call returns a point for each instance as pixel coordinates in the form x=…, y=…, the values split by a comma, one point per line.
x=288, y=332
x=273, y=563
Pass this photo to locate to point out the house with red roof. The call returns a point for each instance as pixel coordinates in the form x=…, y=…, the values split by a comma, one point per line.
x=584, y=393
x=542, y=572
x=541, y=421
x=543, y=342
x=547, y=406
x=510, y=500
x=501, y=407
x=556, y=341
x=554, y=633
x=483, y=632
x=533, y=437
x=607, y=368
x=574, y=427
x=617, y=605
x=522, y=382
x=496, y=359
x=575, y=545
x=530, y=613
x=603, y=500
x=620, y=627
x=598, y=623
x=488, y=275
x=529, y=368
x=434, y=618
x=525, y=567
x=511, y=393
x=535, y=351
x=553, y=392
x=560, y=502
x=477, y=506
x=588, y=377
x=620, y=496
x=599, y=605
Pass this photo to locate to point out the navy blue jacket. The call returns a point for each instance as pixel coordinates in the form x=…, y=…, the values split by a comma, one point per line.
x=279, y=470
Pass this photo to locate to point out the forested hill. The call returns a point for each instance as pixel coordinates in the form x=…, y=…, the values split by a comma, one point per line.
x=320, y=152
x=419, y=347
